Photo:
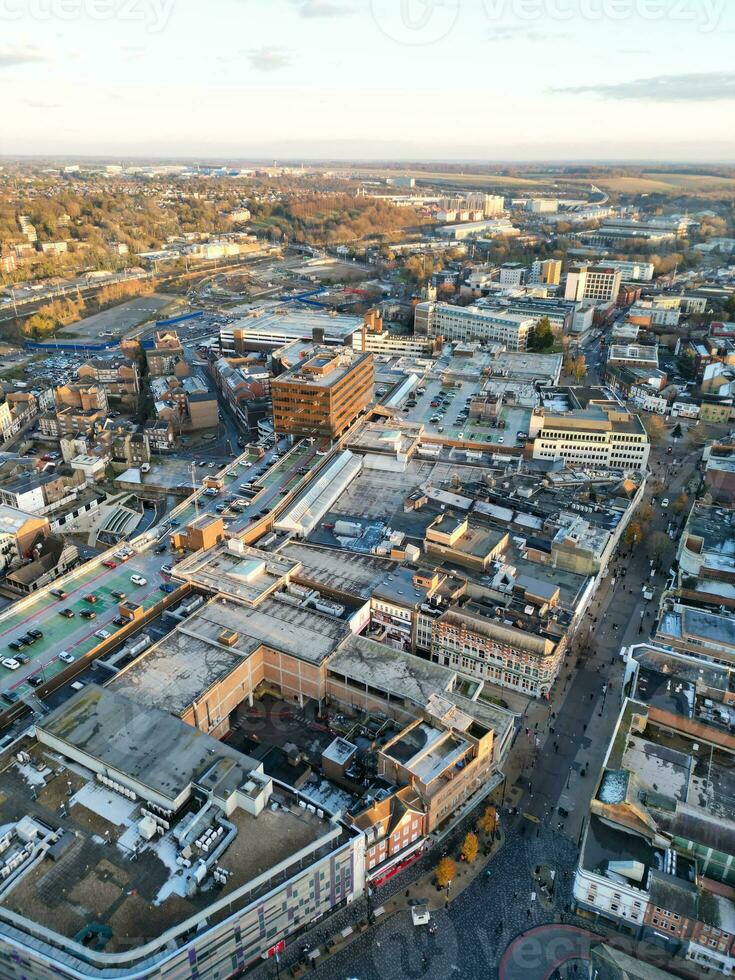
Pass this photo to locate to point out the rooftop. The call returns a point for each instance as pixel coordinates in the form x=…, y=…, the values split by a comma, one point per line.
x=140, y=741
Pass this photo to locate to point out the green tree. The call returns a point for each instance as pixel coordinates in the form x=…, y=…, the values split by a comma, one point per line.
x=542, y=340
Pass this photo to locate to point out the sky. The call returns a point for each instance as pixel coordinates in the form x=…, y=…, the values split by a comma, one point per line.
x=369, y=79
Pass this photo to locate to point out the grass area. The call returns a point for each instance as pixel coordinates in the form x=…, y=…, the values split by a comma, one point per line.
x=673, y=184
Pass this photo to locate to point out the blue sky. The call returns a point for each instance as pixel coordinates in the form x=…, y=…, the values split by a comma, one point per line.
x=382, y=79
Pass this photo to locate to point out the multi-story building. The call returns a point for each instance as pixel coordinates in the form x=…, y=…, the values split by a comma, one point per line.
x=85, y=398
x=119, y=376
x=166, y=357
x=513, y=274
x=598, y=283
x=598, y=436
x=654, y=313
x=264, y=861
x=634, y=271
x=559, y=312
x=519, y=651
x=266, y=330
x=546, y=272
x=473, y=323
x=324, y=394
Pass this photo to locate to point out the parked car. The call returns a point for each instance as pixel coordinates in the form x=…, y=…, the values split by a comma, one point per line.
x=14, y=645
x=88, y=614
x=58, y=593
x=22, y=658
x=69, y=613
x=120, y=596
x=66, y=657
x=10, y=696
x=138, y=580
x=103, y=635
x=10, y=663
x=119, y=621
x=36, y=633
x=35, y=681
x=167, y=587
x=110, y=563
x=91, y=598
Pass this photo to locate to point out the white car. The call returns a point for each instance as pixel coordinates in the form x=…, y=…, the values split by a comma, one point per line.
x=66, y=657
x=11, y=664
x=103, y=635
x=665, y=503
x=138, y=580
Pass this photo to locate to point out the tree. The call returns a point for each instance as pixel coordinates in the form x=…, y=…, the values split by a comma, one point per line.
x=655, y=428
x=543, y=336
x=578, y=367
x=633, y=534
x=487, y=821
x=470, y=847
x=676, y=432
x=645, y=515
x=446, y=872
x=681, y=503
x=658, y=546
x=686, y=365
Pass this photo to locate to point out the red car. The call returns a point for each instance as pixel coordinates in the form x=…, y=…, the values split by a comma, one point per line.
x=90, y=598
x=110, y=563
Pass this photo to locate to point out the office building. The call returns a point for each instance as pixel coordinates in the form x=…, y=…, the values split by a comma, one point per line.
x=599, y=436
x=598, y=283
x=473, y=323
x=512, y=274
x=324, y=394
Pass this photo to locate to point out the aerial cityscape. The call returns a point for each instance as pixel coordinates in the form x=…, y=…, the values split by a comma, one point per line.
x=367, y=490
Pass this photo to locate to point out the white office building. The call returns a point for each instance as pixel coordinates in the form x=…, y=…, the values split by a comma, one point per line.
x=473, y=323
x=595, y=436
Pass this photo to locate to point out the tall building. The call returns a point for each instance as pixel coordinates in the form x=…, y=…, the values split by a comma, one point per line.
x=512, y=274
x=473, y=323
x=599, y=283
x=324, y=394
x=546, y=273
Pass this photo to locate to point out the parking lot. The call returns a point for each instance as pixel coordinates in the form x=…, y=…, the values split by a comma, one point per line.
x=441, y=410
x=115, y=323
x=75, y=635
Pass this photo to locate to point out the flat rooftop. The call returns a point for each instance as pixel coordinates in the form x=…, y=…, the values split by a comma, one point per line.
x=295, y=322
x=140, y=741
x=245, y=573
x=402, y=674
x=345, y=571
x=94, y=879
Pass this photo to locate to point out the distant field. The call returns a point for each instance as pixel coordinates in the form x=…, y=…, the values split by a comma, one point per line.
x=669, y=184
x=476, y=180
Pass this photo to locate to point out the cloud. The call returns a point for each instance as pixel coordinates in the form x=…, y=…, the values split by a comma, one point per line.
x=522, y=33
x=714, y=86
x=323, y=8
x=11, y=56
x=269, y=58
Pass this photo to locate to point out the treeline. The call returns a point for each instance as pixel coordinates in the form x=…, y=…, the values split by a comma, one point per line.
x=332, y=218
x=63, y=312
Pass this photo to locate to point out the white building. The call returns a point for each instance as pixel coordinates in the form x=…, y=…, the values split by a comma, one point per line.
x=596, y=436
x=633, y=271
x=599, y=283
x=473, y=323
x=512, y=274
